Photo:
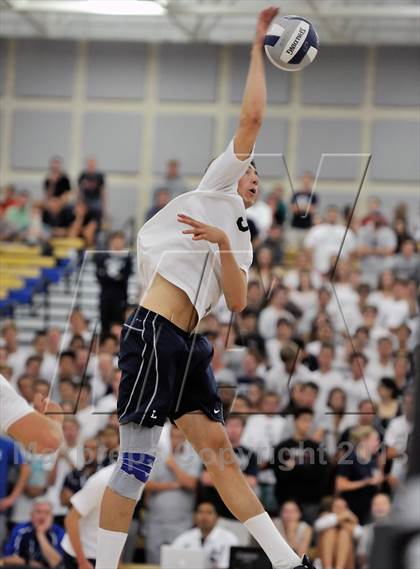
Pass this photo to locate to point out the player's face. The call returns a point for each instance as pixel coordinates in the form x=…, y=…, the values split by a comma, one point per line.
x=248, y=187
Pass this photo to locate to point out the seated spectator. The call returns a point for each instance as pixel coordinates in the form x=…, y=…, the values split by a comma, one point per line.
x=262, y=433
x=18, y=216
x=80, y=541
x=274, y=242
x=110, y=442
x=279, y=306
x=56, y=184
x=388, y=406
x=337, y=529
x=85, y=413
x=25, y=387
x=170, y=494
x=296, y=532
x=290, y=370
x=376, y=245
x=16, y=355
x=8, y=198
x=325, y=376
x=248, y=334
x=79, y=326
x=406, y=264
x=253, y=370
x=36, y=543
x=77, y=478
x=102, y=378
x=382, y=364
x=279, y=206
x=255, y=393
x=11, y=457
x=303, y=263
x=334, y=421
x=359, y=477
x=304, y=295
x=207, y=536
x=401, y=372
x=284, y=332
x=248, y=463
x=39, y=345
x=400, y=428
x=161, y=198
x=380, y=511
x=33, y=367
x=325, y=240
x=57, y=217
x=107, y=405
x=255, y=294
x=301, y=467
x=263, y=268
x=172, y=179
x=84, y=223
x=261, y=215
x=358, y=385
x=68, y=458
x=92, y=192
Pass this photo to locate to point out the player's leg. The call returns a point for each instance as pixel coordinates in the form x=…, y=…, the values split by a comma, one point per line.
x=210, y=441
x=138, y=450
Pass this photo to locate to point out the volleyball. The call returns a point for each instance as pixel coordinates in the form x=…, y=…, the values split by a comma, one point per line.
x=291, y=43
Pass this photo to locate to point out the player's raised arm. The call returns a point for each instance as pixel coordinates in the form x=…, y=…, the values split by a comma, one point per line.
x=255, y=93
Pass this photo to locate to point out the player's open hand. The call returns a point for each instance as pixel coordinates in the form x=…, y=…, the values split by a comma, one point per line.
x=264, y=21
x=203, y=232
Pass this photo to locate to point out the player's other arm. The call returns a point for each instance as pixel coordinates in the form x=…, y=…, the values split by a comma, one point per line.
x=255, y=94
x=234, y=281
x=38, y=432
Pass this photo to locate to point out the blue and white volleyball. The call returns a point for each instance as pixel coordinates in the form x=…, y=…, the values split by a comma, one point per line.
x=291, y=43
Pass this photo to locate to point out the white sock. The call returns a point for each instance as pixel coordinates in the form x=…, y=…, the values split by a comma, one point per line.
x=268, y=536
x=110, y=546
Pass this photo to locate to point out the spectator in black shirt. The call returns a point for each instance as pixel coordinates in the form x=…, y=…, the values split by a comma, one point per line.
x=359, y=477
x=56, y=183
x=57, y=217
x=301, y=467
x=161, y=198
x=75, y=480
x=91, y=184
x=113, y=270
x=303, y=207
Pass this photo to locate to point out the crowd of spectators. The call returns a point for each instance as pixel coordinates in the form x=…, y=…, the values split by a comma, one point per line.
x=315, y=375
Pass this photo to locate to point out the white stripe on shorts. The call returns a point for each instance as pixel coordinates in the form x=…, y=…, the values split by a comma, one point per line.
x=157, y=371
x=141, y=366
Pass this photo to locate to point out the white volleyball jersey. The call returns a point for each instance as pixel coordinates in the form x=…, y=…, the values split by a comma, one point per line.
x=194, y=266
x=12, y=406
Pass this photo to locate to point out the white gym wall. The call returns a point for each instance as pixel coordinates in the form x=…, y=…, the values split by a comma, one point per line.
x=135, y=105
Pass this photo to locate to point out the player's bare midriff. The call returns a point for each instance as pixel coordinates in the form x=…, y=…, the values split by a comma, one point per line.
x=171, y=302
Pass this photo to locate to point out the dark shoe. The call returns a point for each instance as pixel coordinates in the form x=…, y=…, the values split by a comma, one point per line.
x=306, y=564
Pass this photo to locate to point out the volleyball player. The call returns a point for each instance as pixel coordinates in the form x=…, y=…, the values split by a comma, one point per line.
x=28, y=425
x=192, y=251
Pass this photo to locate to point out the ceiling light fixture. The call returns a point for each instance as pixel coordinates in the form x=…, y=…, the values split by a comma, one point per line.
x=100, y=7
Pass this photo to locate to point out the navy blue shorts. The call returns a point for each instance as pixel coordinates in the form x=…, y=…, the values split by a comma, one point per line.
x=166, y=372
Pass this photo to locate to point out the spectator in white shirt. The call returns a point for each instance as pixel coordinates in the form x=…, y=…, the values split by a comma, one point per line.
x=214, y=541
x=39, y=345
x=406, y=265
x=290, y=370
x=262, y=433
x=325, y=377
x=85, y=413
x=170, y=494
x=400, y=428
x=284, y=333
x=82, y=522
x=325, y=240
x=376, y=245
x=277, y=308
x=382, y=366
x=108, y=404
x=103, y=375
x=358, y=385
x=70, y=456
